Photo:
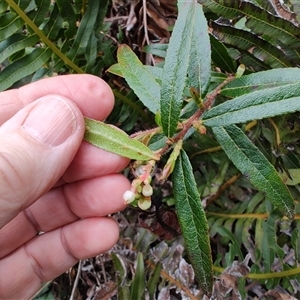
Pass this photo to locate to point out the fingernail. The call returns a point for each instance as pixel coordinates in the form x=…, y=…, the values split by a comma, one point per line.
x=50, y=121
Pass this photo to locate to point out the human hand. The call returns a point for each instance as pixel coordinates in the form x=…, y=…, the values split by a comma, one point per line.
x=53, y=182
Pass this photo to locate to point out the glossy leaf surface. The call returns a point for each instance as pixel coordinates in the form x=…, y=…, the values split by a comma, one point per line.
x=250, y=161
x=192, y=221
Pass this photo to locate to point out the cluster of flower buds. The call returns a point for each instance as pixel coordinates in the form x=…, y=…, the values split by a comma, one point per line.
x=141, y=189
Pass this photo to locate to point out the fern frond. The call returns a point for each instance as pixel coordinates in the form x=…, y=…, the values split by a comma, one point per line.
x=42, y=37
x=254, y=226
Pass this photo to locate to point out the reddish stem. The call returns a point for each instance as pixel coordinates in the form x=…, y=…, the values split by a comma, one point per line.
x=210, y=98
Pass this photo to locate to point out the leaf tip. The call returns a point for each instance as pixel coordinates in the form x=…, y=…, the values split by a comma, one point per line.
x=123, y=47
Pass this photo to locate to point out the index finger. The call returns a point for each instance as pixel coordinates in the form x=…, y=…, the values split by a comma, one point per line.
x=90, y=93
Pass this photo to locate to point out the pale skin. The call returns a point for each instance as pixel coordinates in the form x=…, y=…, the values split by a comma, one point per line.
x=52, y=181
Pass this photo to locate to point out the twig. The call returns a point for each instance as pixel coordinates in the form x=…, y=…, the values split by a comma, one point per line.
x=221, y=189
x=76, y=280
x=116, y=18
x=177, y=283
x=146, y=27
x=103, y=269
x=110, y=37
x=210, y=98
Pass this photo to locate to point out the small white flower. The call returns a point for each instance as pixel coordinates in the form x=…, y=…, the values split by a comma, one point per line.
x=128, y=197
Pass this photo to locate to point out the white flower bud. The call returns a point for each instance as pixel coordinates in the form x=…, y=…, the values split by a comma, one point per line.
x=144, y=203
x=128, y=197
x=147, y=190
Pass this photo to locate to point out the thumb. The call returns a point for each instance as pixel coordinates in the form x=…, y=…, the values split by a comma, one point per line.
x=36, y=146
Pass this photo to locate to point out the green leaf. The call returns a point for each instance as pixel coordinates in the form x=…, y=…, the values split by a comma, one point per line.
x=156, y=72
x=217, y=77
x=246, y=233
x=257, y=105
x=99, y=26
x=200, y=59
x=3, y=7
x=269, y=242
x=174, y=73
x=261, y=80
x=154, y=280
x=25, y=5
x=221, y=8
x=52, y=27
x=121, y=275
x=54, y=24
x=67, y=12
x=250, y=161
x=263, y=22
x=91, y=54
x=115, y=69
x=138, y=283
x=10, y=23
x=85, y=30
x=292, y=178
x=221, y=57
x=159, y=141
x=192, y=221
x=156, y=49
x=45, y=40
x=260, y=48
x=16, y=43
x=252, y=63
x=266, y=5
x=39, y=15
x=139, y=78
x=258, y=19
x=23, y=67
x=114, y=140
x=120, y=267
x=224, y=232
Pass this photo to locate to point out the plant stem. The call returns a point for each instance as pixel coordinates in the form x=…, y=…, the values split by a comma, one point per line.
x=210, y=98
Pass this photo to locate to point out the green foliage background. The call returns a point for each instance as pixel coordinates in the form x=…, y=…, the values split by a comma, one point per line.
x=45, y=38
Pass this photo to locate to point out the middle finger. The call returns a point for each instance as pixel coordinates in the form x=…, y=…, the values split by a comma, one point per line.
x=63, y=205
